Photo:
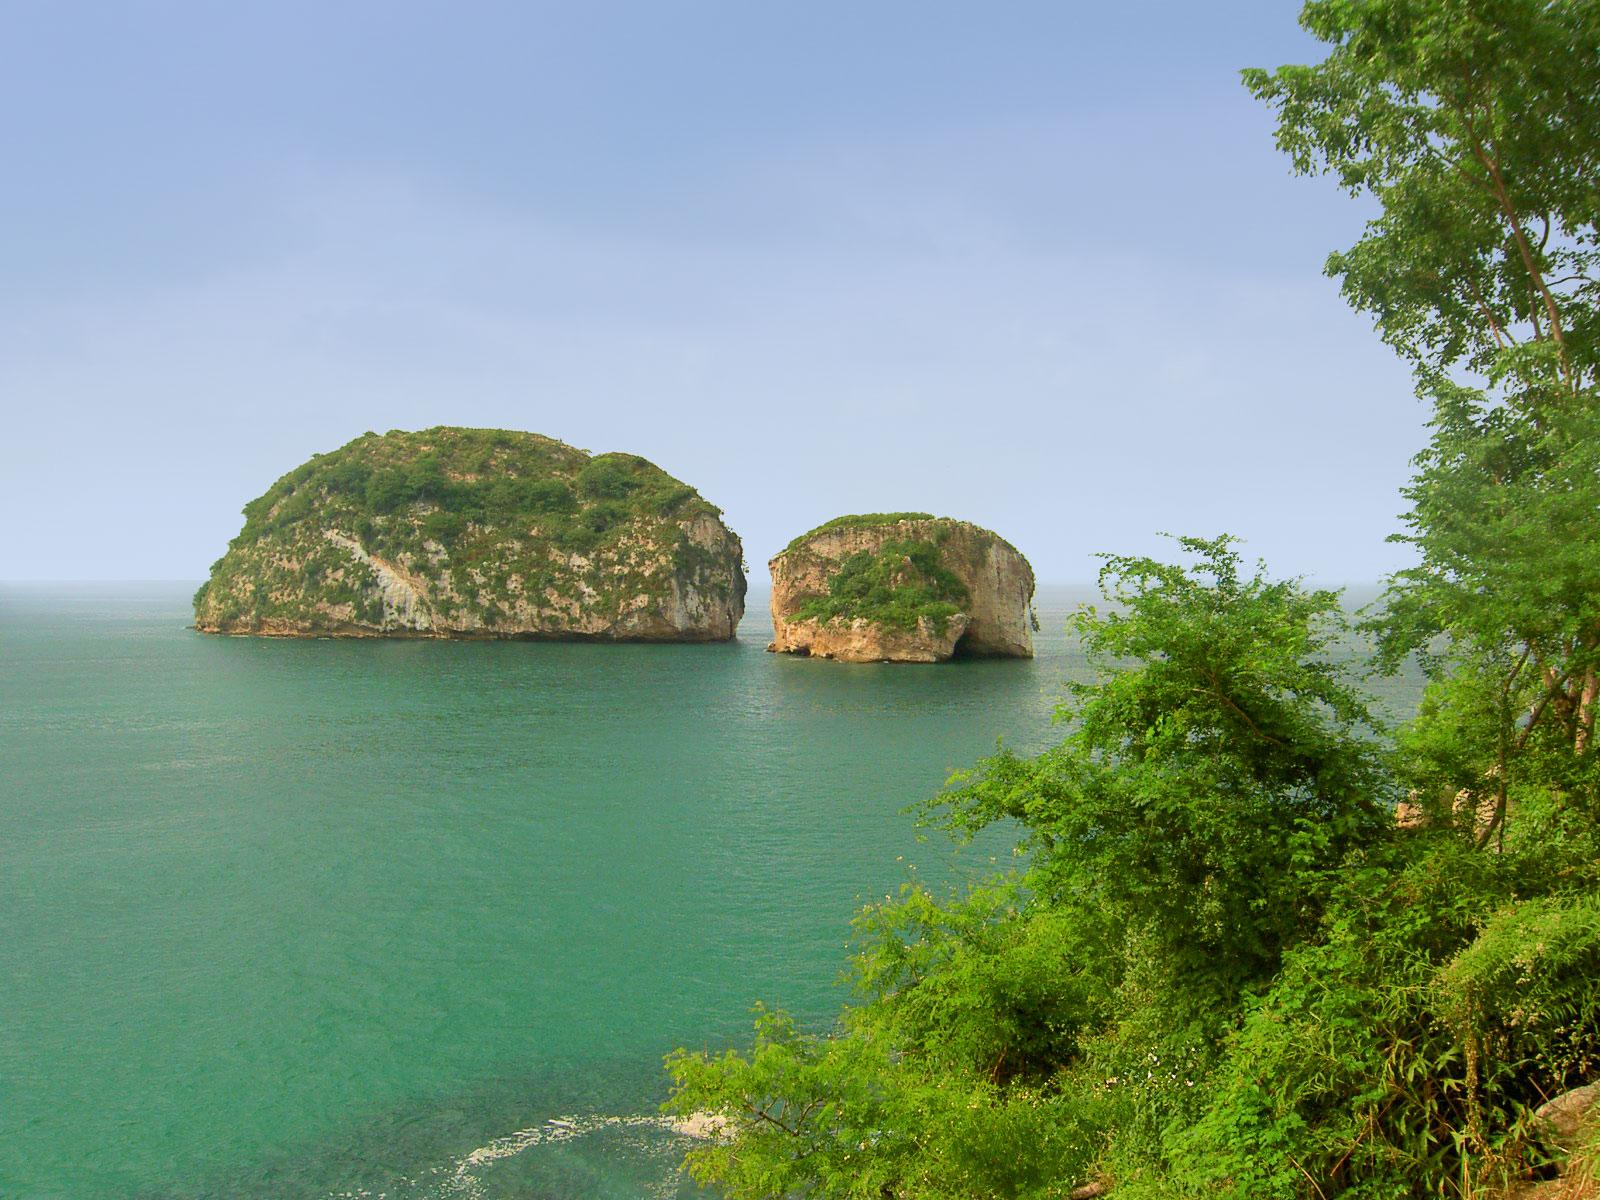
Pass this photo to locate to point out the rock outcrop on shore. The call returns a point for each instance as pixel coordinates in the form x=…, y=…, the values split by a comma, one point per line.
x=477, y=533
x=901, y=587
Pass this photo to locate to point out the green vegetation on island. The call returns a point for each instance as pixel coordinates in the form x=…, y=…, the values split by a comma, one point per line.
x=1257, y=943
x=860, y=521
x=472, y=531
x=898, y=584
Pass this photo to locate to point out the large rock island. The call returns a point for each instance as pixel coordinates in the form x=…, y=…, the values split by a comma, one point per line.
x=901, y=587
x=486, y=533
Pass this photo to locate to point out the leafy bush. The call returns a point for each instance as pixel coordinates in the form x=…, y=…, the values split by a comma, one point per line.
x=1186, y=836
x=897, y=585
x=1223, y=971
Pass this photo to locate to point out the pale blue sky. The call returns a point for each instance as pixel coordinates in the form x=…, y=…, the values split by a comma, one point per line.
x=1037, y=265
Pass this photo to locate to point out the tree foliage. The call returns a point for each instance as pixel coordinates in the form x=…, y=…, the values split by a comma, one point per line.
x=1475, y=125
x=1224, y=967
x=1204, y=793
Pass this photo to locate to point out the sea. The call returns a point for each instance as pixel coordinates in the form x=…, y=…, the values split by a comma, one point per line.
x=321, y=919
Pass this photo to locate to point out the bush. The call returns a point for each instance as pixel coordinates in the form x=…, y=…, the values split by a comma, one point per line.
x=897, y=585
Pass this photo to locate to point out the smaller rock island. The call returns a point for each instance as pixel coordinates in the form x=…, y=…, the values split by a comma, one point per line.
x=901, y=587
x=477, y=533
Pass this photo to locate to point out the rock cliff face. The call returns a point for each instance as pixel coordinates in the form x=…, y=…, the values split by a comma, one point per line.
x=901, y=587
x=488, y=533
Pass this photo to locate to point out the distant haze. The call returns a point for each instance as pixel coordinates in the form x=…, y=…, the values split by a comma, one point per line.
x=1035, y=265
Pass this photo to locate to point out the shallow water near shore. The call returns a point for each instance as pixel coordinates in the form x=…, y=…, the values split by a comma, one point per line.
x=419, y=919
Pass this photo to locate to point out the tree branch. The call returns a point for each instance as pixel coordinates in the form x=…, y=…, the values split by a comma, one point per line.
x=1216, y=691
x=1503, y=197
x=762, y=1114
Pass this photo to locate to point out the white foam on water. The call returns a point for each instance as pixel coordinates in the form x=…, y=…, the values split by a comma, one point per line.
x=464, y=1180
x=461, y=1177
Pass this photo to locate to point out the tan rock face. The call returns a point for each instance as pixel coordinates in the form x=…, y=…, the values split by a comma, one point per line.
x=996, y=620
x=675, y=600
x=463, y=533
x=863, y=641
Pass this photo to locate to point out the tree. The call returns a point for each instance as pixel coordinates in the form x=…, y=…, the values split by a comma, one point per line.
x=1217, y=767
x=1181, y=839
x=1504, y=602
x=1475, y=125
x=1224, y=969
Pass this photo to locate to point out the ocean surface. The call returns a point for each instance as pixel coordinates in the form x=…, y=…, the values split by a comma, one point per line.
x=420, y=919
x=317, y=919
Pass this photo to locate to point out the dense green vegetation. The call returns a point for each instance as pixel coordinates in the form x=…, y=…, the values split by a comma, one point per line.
x=861, y=521
x=462, y=477
x=1222, y=967
x=899, y=584
x=494, y=514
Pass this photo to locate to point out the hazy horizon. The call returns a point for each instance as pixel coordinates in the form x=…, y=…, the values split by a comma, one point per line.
x=760, y=589
x=1036, y=268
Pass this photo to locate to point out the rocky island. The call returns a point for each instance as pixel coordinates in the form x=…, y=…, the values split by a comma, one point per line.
x=477, y=533
x=901, y=587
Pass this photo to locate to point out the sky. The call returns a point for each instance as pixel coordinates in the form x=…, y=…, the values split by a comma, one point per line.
x=1035, y=265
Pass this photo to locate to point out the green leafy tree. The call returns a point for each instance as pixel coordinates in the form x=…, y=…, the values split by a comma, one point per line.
x=1504, y=603
x=1207, y=788
x=1475, y=126
x=1180, y=840
x=1224, y=969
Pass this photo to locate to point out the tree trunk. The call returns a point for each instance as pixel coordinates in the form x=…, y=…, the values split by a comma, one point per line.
x=1586, y=700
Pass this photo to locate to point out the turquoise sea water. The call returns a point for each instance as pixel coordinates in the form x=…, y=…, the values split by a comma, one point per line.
x=419, y=919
